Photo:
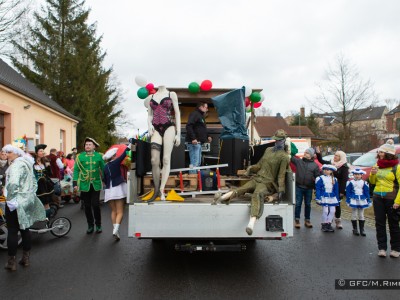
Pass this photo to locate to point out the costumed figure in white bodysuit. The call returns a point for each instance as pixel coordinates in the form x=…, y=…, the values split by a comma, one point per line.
x=165, y=133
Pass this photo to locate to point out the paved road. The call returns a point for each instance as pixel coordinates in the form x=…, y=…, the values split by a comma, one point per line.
x=82, y=266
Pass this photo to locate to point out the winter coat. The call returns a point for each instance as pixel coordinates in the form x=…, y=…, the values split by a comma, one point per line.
x=342, y=174
x=306, y=172
x=196, y=128
x=21, y=188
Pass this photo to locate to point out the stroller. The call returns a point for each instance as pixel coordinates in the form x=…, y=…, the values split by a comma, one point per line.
x=58, y=227
x=67, y=190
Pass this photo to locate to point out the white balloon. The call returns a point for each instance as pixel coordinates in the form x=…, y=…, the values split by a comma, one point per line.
x=247, y=91
x=262, y=97
x=141, y=81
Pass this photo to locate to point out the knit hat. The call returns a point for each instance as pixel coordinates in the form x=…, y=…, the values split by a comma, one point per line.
x=329, y=167
x=358, y=171
x=110, y=153
x=387, y=148
x=311, y=151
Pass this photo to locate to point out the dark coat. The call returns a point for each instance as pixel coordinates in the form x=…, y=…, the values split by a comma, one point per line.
x=306, y=172
x=112, y=171
x=342, y=174
x=196, y=128
x=55, y=170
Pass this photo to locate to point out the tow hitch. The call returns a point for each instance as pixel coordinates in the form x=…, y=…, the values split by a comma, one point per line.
x=210, y=247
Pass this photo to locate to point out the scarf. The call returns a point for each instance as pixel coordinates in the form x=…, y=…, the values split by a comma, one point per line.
x=342, y=161
x=385, y=163
x=3, y=162
x=279, y=145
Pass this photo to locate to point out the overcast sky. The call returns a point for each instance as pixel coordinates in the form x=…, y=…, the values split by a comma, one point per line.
x=283, y=46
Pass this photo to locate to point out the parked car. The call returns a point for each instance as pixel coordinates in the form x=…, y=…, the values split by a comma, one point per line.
x=351, y=157
x=368, y=160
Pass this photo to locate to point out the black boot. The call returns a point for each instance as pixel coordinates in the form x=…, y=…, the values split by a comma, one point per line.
x=329, y=228
x=155, y=195
x=362, y=222
x=355, y=230
x=324, y=227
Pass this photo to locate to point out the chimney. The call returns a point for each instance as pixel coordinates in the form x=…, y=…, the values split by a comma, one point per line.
x=302, y=112
x=278, y=115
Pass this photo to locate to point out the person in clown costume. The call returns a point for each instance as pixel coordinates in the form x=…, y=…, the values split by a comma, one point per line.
x=327, y=196
x=357, y=197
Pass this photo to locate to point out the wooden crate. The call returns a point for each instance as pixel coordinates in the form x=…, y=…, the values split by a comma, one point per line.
x=173, y=182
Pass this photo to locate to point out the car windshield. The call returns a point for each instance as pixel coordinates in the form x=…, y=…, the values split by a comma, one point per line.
x=366, y=160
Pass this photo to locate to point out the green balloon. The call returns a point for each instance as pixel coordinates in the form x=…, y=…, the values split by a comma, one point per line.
x=248, y=109
x=142, y=93
x=194, y=87
x=255, y=97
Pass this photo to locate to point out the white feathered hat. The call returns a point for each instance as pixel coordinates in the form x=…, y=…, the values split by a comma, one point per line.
x=329, y=167
x=358, y=171
x=110, y=153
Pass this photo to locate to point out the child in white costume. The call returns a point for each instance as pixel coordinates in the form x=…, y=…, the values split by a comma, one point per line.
x=357, y=197
x=327, y=195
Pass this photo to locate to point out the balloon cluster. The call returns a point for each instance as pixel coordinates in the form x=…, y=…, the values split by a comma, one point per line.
x=194, y=87
x=145, y=88
x=252, y=99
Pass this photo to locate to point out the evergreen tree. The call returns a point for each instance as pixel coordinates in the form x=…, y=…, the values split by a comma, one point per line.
x=313, y=124
x=64, y=59
x=298, y=120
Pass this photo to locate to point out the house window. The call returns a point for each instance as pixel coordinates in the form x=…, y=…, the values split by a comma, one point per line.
x=62, y=140
x=38, y=133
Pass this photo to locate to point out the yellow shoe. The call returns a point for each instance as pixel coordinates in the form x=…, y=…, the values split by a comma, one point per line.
x=149, y=195
x=173, y=196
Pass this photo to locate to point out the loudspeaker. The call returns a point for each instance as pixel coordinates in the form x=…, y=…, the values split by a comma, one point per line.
x=235, y=153
x=178, y=156
x=258, y=152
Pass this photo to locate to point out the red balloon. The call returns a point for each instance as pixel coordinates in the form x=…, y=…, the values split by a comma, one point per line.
x=150, y=86
x=246, y=101
x=153, y=91
x=206, y=85
x=257, y=104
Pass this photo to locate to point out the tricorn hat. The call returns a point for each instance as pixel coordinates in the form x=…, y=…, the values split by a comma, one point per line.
x=89, y=139
x=40, y=146
x=280, y=134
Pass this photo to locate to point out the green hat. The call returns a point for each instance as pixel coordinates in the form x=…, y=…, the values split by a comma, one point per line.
x=280, y=134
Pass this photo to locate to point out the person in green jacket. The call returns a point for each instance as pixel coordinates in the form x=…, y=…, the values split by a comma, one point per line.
x=88, y=174
x=269, y=179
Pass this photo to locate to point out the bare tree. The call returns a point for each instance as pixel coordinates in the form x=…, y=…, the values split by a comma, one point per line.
x=12, y=16
x=392, y=103
x=263, y=111
x=343, y=95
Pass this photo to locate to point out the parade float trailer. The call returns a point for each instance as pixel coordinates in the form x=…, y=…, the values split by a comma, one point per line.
x=198, y=224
